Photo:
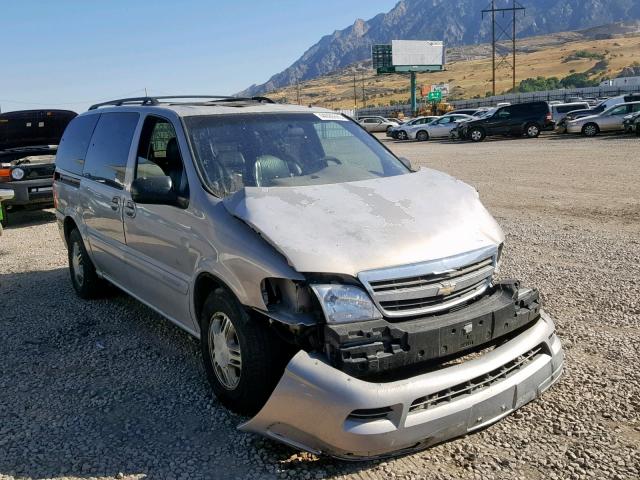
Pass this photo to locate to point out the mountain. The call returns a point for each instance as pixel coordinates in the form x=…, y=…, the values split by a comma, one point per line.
x=457, y=22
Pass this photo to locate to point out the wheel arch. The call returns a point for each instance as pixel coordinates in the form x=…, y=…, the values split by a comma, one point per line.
x=205, y=283
x=68, y=225
x=582, y=130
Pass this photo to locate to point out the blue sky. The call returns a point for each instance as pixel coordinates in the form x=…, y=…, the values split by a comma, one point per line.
x=69, y=54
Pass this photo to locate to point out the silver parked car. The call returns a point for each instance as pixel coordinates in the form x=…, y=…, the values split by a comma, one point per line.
x=322, y=275
x=400, y=132
x=439, y=128
x=377, y=124
x=611, y=120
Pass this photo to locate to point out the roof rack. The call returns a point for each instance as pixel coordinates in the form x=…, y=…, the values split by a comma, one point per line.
x=152, y=101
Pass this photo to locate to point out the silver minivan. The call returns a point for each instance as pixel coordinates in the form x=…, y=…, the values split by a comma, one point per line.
x=346, y=303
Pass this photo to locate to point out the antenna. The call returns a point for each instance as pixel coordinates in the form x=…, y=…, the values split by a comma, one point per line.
x=503, y=35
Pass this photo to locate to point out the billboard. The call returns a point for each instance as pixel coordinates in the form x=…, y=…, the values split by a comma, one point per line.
x=417, y=52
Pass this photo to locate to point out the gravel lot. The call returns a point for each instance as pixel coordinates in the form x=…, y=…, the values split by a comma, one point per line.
x=108, y=389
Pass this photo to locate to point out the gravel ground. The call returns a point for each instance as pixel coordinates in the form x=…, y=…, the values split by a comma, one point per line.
x=108, y=389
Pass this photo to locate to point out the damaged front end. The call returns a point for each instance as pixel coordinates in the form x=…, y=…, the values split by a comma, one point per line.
x=318, y=408
x=389, y=385
x=405, y=337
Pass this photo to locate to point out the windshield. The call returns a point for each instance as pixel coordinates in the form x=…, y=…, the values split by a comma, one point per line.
x=290, y=149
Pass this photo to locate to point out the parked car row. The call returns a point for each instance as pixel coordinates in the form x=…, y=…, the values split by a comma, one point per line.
x=527, y=119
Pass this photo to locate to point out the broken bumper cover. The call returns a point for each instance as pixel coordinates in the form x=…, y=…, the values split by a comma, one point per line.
x=318, y=408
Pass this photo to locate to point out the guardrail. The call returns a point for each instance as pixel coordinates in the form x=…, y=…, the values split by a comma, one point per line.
x=549, y=95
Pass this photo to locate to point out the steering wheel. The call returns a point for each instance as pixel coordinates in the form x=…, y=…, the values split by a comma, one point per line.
x=332, y=159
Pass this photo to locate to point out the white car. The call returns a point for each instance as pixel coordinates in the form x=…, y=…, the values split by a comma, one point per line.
x=376, y=124
x=440, y=128
x=400, y=132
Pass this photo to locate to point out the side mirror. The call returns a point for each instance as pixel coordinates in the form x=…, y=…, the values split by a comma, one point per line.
x=156, y=191
x=406, y=162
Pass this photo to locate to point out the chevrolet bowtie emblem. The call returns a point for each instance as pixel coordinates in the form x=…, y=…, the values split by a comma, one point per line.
x=446, y=288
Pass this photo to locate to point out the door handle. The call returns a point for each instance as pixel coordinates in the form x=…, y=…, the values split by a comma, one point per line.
x=130, y=209
x=115, y=203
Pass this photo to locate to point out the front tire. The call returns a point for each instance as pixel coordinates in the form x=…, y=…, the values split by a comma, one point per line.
x=422, y=136
x=243, y=359
x=84, y=278
x=590, y=130
x=402, y=135
x=476, y=135
x=532, y=130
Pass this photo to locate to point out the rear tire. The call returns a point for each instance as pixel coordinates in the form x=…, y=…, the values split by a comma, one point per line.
x=532, y=130
x=476, y=135
x=243, y=358
x=422, y=136
x=590, y=130
x=84, y=279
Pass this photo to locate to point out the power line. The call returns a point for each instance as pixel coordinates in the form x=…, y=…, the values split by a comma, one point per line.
x=500, y=33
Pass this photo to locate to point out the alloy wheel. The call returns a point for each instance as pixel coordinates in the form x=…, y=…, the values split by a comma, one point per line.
x=590, y=130
x=224, y=350
x=77, y=263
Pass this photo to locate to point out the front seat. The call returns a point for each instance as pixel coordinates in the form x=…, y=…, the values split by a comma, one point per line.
x=175, y=169
x=268, y=168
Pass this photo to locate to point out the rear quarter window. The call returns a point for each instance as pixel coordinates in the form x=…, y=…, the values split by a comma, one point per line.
x=75, y=142
x=108, y=153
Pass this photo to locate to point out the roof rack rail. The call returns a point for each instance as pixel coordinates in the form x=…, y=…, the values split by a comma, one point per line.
x=151, y=101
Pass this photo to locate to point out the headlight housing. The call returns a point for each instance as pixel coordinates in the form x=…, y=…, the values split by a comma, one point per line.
x=17, y=173
x=345, y=303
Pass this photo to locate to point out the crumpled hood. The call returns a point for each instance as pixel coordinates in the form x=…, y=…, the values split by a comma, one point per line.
x=351, y=227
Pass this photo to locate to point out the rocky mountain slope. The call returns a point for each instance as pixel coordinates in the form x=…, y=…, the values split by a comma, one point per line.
x=457, y=22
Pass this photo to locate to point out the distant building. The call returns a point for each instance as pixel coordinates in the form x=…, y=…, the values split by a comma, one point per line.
x=622, y=82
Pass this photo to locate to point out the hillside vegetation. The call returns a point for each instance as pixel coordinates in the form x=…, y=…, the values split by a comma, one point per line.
x=560, y=56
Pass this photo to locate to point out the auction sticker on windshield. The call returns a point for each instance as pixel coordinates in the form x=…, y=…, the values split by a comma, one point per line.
x=330, y=117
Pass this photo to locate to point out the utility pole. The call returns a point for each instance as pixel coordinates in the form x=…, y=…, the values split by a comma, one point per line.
x=503, y=34
x=364, y=97
x=355, y=92
x=298, y=90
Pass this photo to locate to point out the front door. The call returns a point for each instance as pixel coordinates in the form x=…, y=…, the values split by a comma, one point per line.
x=613, y=120
x=101, y=190
x=160, y=237
x=442, y=127
x=500, y=122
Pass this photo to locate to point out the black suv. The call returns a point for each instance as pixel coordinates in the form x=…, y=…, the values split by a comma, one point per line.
x=522, y=119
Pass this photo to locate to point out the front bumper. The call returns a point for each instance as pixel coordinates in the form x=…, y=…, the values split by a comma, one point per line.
x=318, y=408
x=30, y=192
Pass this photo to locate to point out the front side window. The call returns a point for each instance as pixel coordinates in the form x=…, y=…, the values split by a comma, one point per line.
x=288, y=149
x=159, y=154
x=619, y=110
x=108, y=152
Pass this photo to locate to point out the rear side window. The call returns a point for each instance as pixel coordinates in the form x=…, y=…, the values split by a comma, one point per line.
x=74, y=143
x=109, y=150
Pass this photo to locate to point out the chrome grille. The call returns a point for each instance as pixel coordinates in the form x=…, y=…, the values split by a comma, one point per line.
x=432, y=286
x=476, y=384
